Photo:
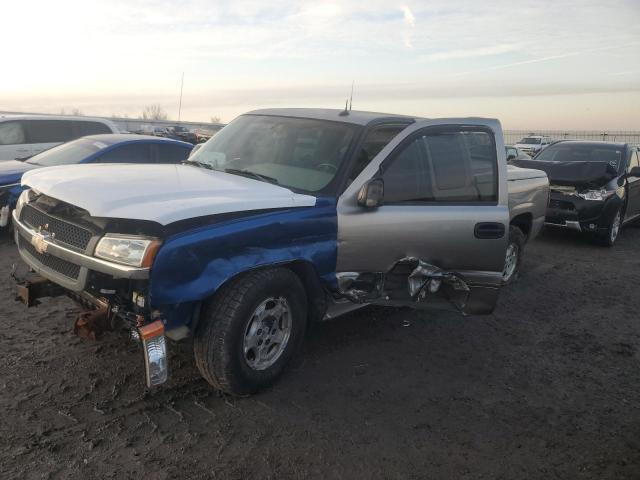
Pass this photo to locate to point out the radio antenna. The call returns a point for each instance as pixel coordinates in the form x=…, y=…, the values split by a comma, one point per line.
x=345, y=112
x=351, y=97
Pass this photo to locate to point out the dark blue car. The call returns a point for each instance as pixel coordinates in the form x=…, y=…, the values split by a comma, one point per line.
x=113, y=148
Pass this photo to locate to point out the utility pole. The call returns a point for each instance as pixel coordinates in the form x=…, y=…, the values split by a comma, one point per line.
x=180, y=104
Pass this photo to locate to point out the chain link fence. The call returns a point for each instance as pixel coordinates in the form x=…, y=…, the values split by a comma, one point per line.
x=513, y=136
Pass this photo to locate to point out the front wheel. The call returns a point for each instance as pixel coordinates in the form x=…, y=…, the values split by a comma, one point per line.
x=608, y=239
x=250, y=330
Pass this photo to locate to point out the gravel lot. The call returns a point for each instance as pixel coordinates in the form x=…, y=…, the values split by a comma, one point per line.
x=547, y=387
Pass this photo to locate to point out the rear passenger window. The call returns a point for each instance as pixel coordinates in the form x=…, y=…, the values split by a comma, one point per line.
x=132, y=153
x=49, y=131
x=171, y=153
x=91, y=128
x=443, y=165
x=12, y=133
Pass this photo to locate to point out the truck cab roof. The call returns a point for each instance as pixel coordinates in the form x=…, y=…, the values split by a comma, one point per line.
x=355, y=117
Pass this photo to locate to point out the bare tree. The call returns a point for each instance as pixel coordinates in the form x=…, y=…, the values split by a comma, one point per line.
x=74, y=111
x=154, y=112
x=215, y=119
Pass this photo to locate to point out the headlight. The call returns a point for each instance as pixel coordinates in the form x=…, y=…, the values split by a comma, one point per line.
x=24, y=198
x=596, y=194
x=134, y=251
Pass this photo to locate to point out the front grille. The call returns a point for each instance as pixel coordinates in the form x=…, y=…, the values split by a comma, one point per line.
x=65, y=232
x=561, y=205
x=63, y=267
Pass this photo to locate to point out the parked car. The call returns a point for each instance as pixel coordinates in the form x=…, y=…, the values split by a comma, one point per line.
x=284, y=217
x=112, y=148
x=202, y=135
x=182, y=133
x=514, y=153
x=160, y=132
x=533, y=144
x=22, y=136
x=595, y=186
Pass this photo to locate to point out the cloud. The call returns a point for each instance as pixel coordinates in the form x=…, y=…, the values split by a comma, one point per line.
x=552, y=57
x=473, y=52
x=410, y=24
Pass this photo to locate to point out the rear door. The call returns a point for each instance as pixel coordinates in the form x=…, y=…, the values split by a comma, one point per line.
x=44, y=134
x=170, y=153
x=440, y=235
x=89, y=127
x=137, y=152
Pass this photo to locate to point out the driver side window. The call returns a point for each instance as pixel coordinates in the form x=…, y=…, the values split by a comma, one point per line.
x=447, y=165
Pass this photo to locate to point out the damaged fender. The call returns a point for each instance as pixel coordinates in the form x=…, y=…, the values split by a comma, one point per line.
x=191, y=266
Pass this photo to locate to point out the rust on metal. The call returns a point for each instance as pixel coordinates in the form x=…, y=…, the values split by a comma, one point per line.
x=92, y=324
x=29, y=290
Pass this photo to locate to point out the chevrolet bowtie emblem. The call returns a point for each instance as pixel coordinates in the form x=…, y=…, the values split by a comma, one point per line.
x=39, y=239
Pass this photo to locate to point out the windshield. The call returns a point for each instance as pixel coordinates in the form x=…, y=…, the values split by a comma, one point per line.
x=67, y=153
x=567, y=152
x=299, y=153
x=531, y=141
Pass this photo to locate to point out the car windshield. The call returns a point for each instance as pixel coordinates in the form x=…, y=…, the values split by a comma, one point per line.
x=530, y=141
x=67, y=153
x=568, y=152
x=302, y=154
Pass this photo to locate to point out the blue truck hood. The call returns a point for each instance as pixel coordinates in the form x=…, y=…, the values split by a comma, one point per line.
x=11, y=171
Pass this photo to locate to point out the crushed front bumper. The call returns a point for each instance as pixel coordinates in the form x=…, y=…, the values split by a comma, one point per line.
x=573, y=212
x=67, y=270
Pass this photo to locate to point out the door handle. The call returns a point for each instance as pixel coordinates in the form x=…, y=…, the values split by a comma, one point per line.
x=488, y=230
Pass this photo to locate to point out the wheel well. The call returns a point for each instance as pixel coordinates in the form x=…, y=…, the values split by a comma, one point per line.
x=316, y=296
x=524, y=221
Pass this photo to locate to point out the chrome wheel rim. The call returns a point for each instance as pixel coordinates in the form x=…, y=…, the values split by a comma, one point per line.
x=615, y=228
x=267, y=333
x=510, y=262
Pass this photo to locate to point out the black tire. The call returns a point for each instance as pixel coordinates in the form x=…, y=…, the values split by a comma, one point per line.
x=220, y=336
x=517, y=240
x=609, y=238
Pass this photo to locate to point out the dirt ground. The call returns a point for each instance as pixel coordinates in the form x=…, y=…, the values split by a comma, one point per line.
x=547, y=387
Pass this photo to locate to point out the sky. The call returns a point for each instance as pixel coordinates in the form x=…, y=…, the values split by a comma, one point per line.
x=546, y=64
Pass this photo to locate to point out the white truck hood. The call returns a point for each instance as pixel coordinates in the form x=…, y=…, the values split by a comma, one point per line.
x=159, y=193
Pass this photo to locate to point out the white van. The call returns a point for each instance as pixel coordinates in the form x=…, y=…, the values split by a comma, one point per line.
x=22, y=136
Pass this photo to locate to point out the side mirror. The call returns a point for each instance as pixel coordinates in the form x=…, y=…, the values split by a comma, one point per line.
x=371, y=194
x=634, y=172
x=510, y=157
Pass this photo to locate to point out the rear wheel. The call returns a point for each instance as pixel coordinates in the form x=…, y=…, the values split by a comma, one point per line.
x=513, y=257
x=250, y=330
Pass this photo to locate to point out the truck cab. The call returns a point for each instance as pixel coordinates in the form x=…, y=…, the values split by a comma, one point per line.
x=284, y=217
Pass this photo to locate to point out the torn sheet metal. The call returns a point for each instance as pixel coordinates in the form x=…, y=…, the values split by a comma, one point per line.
x=408, y=280
x=427, y=278
x=360, y=287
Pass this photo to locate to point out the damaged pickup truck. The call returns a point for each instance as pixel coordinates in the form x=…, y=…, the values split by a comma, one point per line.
x=285, y=217
x=595, y=186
